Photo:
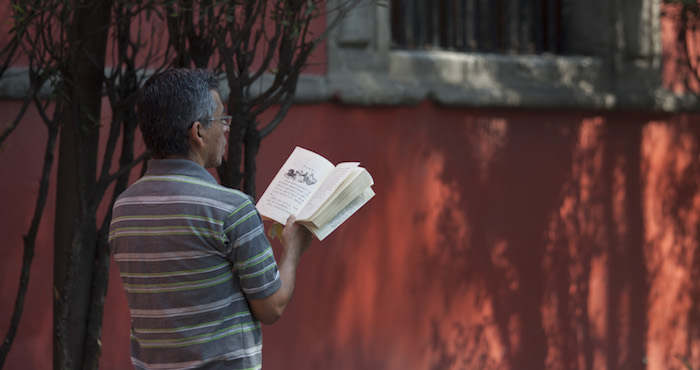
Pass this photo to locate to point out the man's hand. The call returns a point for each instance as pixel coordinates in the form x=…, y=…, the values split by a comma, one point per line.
x=296, y=239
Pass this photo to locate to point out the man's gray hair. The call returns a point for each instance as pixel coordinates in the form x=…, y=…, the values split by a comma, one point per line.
x=169, y=103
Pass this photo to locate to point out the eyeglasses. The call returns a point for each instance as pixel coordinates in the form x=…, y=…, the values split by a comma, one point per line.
x=225, y=120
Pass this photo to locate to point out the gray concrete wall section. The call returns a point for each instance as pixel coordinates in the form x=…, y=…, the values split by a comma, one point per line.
x=614, y=63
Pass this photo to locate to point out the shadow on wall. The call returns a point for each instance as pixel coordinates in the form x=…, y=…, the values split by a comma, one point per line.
x=496, y=241
x=580, y=250
x=505, y=241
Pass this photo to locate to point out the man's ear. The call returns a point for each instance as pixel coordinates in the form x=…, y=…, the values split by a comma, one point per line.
x=195, y=134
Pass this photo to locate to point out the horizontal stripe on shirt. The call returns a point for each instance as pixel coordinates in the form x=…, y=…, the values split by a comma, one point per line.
x=241, y=353
x=176, y=287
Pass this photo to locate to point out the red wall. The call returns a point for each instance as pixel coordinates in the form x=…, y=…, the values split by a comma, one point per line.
x=497, y=239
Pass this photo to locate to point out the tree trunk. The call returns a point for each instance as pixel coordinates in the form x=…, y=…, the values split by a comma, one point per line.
x=252, y=145
x=231, y=170
x=75, y=234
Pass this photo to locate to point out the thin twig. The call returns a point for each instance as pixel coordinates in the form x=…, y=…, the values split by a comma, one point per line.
x=30, y=241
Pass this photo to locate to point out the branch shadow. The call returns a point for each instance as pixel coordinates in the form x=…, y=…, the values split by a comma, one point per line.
x=558, y=248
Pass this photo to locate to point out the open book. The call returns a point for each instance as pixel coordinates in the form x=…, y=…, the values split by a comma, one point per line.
x=320, y=194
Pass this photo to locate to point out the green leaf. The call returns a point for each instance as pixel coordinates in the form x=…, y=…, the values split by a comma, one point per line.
x=18, y=9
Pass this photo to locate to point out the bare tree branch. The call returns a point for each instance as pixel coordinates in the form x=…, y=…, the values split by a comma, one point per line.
x=15, y=122
x=244, y=40
x=30, y=238
x=279, y=116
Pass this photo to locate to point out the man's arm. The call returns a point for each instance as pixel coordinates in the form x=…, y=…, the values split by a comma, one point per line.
x=295, y=240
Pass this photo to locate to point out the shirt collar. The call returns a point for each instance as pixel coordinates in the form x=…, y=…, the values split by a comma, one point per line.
x=184, y=167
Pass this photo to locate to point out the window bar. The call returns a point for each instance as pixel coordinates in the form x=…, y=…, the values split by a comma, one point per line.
x=423, y=12
x=462, y=23
x=511, y=26
x=478, y=20
x=488, y=37
x=538, y=22
x=434, y=28
x=525, y=28
x=546, y=25
x=471, y=25
x=469, y=30
x=562, y=13
x=398, y=24
x=409, y=30
x=419, y=24
x=485, y=37
x=553, y=25
x=449, y=24
x=496, y=25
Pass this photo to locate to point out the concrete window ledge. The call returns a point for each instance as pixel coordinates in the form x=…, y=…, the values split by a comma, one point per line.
x=498, y=82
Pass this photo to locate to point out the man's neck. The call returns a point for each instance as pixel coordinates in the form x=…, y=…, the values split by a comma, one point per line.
x=191, y=157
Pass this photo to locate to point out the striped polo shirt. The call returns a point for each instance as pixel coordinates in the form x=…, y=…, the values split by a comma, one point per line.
x=190, y=252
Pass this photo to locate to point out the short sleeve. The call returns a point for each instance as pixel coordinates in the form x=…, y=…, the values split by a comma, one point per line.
x=250, y=253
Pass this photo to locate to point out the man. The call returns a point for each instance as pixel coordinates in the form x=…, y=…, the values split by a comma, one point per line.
x=197, y=268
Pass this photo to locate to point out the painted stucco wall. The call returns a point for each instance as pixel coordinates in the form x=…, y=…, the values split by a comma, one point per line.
x=497, y=239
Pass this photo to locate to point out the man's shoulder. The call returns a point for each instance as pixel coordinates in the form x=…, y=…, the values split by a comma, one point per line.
x=232, y=196
x=184, y=184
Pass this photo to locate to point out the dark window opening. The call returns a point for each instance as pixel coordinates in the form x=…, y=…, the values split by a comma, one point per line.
x=490, y=26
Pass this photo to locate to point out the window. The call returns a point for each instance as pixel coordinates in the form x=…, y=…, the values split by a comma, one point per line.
x=538, y=54
x=491, y=26
x=535, y=54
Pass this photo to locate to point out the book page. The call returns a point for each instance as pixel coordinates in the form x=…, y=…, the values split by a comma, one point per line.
x=296, y=181
x=354, y=184
x=322, y=232
x=330, y=184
